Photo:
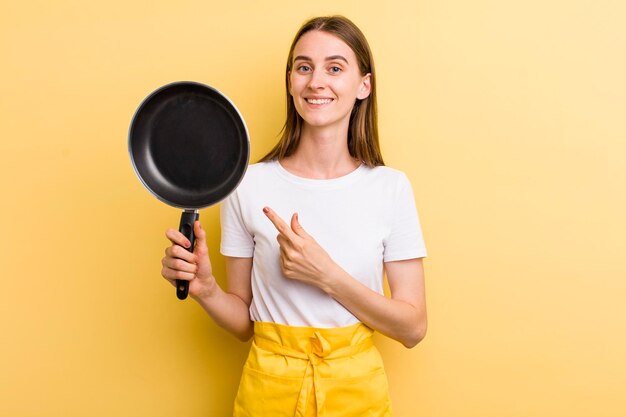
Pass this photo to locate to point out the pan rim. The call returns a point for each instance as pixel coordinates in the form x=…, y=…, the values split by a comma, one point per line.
x=228, y=102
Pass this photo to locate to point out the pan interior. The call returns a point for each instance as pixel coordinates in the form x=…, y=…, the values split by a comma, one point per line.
x=192, y=146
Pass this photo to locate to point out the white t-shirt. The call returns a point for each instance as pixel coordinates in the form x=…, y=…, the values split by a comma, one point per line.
x=362, y=219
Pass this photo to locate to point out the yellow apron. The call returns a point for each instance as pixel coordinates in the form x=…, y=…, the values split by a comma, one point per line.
x=306, y=371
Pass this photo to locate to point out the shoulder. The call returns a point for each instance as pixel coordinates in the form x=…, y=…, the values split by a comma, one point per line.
x=259, y=168
x=386, y=175
x=259, y=180
x=387, y=171
x=256, y=172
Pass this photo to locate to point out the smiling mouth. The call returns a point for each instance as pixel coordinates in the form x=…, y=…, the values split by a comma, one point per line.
x=319, y=100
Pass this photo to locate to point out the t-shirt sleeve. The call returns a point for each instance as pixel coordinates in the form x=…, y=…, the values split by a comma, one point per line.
x=236, y=239
x=405, y=240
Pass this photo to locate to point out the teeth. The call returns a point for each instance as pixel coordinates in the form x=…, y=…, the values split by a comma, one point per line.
x=319, y=100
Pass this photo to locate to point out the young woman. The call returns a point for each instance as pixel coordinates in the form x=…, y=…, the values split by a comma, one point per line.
x=307, y=236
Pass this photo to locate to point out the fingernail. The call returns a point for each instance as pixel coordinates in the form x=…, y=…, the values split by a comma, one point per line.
x=266, y=210
x=298, y=220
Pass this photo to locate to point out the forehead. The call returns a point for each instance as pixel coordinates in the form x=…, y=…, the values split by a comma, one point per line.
x=318, y=44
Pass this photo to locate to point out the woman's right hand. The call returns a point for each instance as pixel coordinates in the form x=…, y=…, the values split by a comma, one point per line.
x=194, y=267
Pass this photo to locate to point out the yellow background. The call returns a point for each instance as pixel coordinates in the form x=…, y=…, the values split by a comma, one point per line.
x=508, y=117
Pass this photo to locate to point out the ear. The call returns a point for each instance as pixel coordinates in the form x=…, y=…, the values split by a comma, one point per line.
x=366, y=87
x=289, y=83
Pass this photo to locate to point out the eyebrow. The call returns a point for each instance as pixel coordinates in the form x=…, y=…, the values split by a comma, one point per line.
x=330, y=58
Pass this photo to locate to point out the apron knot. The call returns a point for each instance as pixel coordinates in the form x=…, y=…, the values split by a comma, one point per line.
x=320, y=347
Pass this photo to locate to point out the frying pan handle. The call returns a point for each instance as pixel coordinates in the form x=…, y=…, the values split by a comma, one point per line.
x=187, y=219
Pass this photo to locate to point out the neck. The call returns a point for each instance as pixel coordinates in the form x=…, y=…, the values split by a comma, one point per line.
x=321, y=154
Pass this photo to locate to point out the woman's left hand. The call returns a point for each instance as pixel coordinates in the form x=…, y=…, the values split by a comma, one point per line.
x=301, y=257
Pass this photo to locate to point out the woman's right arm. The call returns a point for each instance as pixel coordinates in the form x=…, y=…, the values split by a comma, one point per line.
x=229, y=309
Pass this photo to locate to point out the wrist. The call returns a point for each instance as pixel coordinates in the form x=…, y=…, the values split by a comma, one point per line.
x=331, y=281
x=208, y=290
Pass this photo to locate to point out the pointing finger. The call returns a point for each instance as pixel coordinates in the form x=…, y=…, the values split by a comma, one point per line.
x=278, y=223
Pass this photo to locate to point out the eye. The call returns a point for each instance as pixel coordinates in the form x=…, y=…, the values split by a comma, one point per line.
x=335, y=69
x=303, y=68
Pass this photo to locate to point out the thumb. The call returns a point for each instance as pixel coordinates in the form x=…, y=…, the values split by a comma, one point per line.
x=297, y=227
x=200, y=234
x=202, y=252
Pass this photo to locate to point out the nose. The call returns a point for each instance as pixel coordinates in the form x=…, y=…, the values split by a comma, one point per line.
x=317, y=80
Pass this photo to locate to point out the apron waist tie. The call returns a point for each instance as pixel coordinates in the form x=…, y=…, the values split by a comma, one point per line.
x=321, y=351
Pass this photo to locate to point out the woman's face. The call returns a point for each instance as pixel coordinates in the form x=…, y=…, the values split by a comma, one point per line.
x=325, y=80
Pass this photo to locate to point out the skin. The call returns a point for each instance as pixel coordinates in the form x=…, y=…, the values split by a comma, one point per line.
x=324, y=84
x=324, y=67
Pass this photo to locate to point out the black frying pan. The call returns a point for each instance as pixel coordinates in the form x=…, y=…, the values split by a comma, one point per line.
x=189, y=146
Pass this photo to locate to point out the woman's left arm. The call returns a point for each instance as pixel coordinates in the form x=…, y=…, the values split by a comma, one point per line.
x=401, y=317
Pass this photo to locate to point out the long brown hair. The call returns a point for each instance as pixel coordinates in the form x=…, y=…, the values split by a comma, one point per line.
x=363, y=129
